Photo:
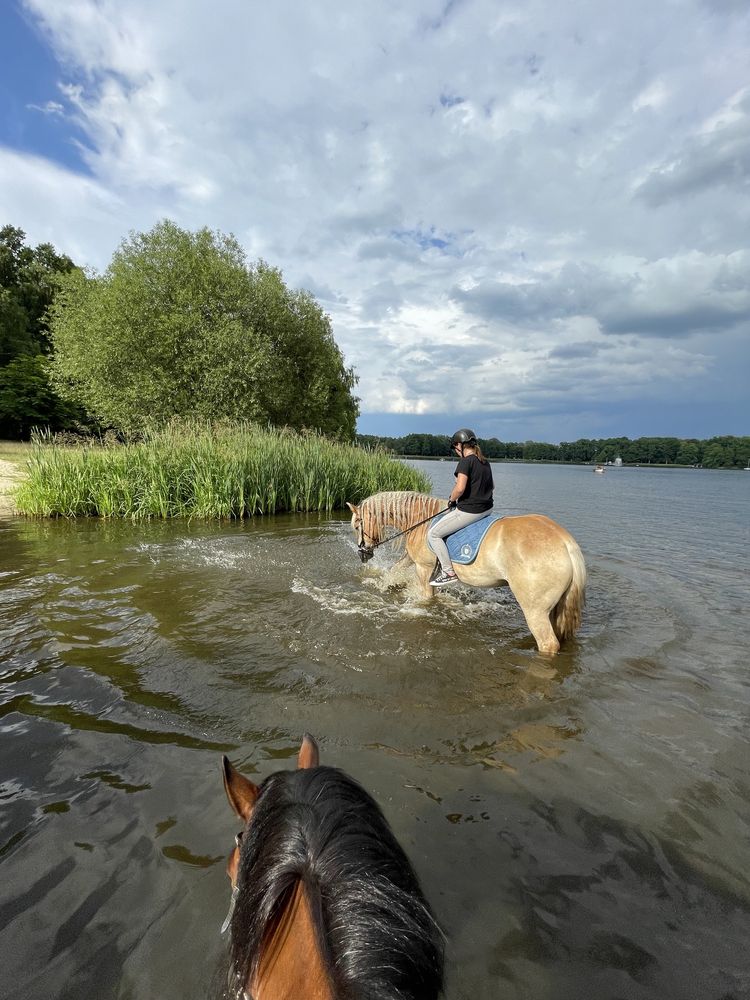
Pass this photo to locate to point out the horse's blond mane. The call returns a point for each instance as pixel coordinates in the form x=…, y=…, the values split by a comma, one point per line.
x=399, y=510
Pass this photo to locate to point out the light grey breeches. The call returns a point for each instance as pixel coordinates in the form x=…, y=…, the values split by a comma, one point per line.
x=447, y=524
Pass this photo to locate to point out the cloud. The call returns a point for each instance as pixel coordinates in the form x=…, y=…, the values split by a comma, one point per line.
x=492, y=202
x=49, y=108
x=384, y=248
x=663, y=298
x=323, y=293
x=579, y=349
x=716, y=157
x=86, y=221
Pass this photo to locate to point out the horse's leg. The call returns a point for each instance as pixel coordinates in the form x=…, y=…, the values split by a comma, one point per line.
x=423, y=576
x=536, y=610
x=402, y=563
x=541, y=628
x=414, y=546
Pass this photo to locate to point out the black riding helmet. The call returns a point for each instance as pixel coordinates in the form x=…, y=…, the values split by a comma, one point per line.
x=464, y=436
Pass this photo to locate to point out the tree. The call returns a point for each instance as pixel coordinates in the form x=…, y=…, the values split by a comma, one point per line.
x=539, y=451
x=179, y=325
x=28, y=282
x=27, y=400
x=14, y=328
x=688, y=453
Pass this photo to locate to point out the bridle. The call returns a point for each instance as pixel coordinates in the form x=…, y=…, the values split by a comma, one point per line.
x=366, y=552
x=241, y=994
x=235, y=891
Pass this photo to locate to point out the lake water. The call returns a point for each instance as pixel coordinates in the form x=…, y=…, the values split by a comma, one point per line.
x=581, y=825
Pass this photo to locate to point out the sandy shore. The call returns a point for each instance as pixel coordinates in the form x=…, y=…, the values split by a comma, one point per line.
x=10, y=477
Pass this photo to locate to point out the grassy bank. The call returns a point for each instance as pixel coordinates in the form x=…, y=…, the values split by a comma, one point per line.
x=15, y=451
x=227, y=472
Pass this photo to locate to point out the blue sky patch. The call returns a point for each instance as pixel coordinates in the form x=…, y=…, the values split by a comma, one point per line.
x=35, y=117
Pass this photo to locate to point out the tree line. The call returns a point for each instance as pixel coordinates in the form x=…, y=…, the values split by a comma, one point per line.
x=725, y=452
x=180, y=324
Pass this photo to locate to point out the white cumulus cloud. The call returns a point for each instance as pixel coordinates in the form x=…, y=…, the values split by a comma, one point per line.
x=471, y=191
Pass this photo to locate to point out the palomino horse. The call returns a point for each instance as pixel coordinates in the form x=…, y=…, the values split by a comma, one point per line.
x=537, y=558
x=325, y=904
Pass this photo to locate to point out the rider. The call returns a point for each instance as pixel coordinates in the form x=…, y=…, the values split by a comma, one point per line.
x=470, y=499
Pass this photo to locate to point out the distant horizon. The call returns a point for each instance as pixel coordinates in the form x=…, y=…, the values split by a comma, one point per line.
x=403, y=429
x=721, y=451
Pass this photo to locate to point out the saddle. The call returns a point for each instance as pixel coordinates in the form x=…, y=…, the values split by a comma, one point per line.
x=463, y=545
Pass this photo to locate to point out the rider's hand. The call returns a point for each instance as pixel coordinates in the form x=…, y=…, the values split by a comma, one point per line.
x=452, y=504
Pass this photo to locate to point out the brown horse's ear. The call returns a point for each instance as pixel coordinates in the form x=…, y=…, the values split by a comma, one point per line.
x=352, y=507
x=309, y=755
x=241, y=792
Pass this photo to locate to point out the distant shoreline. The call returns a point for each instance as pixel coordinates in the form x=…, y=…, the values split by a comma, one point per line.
x=581, y=465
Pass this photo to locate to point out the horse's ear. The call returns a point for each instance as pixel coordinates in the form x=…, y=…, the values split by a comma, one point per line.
x=352, y=507
x=309, y=755
x=241, y=792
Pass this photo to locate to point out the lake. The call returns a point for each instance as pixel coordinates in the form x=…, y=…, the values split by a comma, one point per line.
x=581, y=825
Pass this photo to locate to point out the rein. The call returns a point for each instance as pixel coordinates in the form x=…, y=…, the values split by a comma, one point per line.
x=368, y=551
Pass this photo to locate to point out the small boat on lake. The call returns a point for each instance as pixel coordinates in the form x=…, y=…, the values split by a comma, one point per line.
x=599, y=468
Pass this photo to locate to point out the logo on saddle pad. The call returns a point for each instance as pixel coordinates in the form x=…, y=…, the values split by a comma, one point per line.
x=463, y=545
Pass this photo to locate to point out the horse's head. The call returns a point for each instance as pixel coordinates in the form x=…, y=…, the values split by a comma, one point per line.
x=366, y=530
x=243, y=794
x=314, y=853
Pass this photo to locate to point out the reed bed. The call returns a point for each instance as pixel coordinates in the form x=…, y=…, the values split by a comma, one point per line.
x=229, y=471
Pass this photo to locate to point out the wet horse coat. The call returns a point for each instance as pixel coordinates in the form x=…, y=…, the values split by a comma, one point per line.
x=537, y=558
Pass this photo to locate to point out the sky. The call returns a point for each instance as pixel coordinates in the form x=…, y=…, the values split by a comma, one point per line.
x=529, y=218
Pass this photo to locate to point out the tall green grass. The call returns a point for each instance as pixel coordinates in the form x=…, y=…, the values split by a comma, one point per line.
x=227, y=471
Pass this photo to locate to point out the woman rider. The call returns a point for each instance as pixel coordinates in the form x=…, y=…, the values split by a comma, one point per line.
x=470, y=500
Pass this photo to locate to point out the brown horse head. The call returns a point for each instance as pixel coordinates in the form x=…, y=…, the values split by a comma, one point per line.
x=324, y=898
x=243, y=795
x=291, y=955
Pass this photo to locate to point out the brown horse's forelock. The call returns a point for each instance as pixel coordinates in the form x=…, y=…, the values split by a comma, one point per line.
x=397, y=510
x=374, y=928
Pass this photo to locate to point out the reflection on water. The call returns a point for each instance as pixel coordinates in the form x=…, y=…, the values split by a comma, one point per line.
x=580, y=825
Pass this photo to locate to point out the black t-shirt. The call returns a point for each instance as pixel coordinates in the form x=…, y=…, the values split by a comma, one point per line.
x=478, y=493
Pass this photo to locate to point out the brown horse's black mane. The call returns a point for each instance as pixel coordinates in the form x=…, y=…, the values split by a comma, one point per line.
x=374, y=927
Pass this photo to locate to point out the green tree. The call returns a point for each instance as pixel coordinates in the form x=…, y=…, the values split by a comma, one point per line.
x=14, y=328
x=582, y=450
x=28, y=401
x=179, y=325
x=688, y=453
x=28, y=282
x=715, y=455
x=540, y=451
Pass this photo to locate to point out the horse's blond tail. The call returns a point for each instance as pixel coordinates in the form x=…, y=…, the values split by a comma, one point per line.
x=566, y=615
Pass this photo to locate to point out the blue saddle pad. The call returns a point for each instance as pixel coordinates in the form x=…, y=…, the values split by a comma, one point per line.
x=463, y=545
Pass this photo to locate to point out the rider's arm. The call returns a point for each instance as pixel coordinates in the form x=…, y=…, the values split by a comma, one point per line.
x=461, y=483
